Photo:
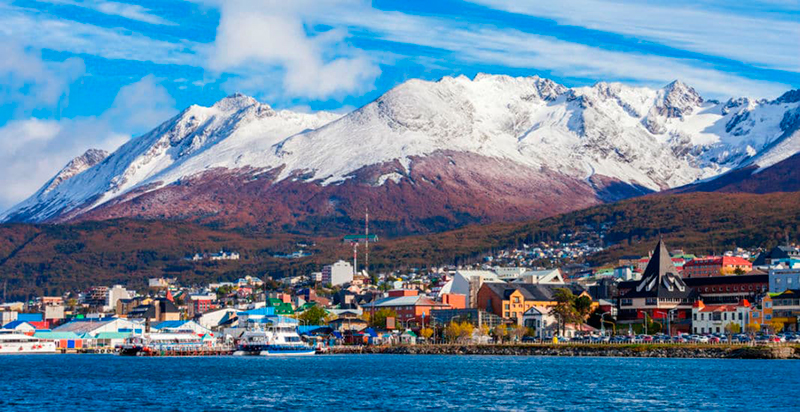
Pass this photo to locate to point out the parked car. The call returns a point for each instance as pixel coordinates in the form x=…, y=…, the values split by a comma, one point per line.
x=714, y=339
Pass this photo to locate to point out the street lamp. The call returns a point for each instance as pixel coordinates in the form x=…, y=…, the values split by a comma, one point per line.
x=602, y=323
x=669, y=318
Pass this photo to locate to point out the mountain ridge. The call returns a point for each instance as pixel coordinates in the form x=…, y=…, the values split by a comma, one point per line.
x=576, y=146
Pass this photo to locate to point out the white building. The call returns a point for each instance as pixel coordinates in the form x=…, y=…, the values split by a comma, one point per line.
x=541, y=277
x=223, y=255
x=218, y=318
x=114, y=294
x=715, y=318
x=783, y=277
x=539, y=319
x=338, y=273
x=509, y=273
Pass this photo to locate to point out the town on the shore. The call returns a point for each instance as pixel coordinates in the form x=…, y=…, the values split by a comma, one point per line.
x=745, y=297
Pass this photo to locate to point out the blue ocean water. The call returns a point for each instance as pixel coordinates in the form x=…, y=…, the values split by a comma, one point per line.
x=395, y=382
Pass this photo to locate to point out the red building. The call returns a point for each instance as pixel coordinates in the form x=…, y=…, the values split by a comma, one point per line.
x=408, y=305
x=716, y=266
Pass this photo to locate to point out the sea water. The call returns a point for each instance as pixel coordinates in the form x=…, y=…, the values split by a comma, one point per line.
x=395, y=382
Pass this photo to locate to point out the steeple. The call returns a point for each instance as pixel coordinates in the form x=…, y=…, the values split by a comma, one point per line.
x=660, y=262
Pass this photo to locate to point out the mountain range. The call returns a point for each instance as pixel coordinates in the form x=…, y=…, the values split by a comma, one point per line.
x=430, y=156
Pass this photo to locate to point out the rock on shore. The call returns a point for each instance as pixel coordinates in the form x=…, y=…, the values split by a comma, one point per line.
x=644, y=351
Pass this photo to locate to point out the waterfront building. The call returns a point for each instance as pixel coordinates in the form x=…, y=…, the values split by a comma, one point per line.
x=661, y=293
x=20, y=326
x=730, y=289
x=716, y=318
x=761, y=313
x=92, y=327
x=477, y=317
x=786, y=309
x=512, y=300
x=181, y=326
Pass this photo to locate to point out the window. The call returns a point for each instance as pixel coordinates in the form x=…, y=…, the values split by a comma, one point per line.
x=516, y=299
x=506, y=306
x=767, y=316
x=627, y=302
x=651, y=301
x=695, y=316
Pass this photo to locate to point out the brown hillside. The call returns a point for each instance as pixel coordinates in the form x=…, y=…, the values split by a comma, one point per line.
x=49, y=259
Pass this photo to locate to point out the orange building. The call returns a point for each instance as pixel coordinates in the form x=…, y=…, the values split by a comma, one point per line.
x=512, y=300
x=716, y=266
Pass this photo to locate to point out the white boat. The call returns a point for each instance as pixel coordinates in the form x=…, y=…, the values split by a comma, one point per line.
x=273, y=336
x=17, y=343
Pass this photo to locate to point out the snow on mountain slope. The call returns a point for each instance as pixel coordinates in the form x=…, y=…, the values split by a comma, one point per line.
x=232, y=132
x=645, y=138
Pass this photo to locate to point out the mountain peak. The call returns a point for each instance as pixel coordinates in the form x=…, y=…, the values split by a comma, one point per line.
x=680, y=99
x=792, y=96
x=236, y=102
x=75, y=166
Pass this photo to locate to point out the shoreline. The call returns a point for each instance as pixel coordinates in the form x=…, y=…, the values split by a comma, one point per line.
x=574, y=350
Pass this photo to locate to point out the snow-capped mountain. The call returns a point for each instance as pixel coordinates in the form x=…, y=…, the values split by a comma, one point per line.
x=440, y=154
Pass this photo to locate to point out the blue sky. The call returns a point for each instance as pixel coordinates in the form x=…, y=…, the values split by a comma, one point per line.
x=79, y=74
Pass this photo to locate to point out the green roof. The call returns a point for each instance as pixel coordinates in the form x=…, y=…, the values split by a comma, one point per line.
x=56, y=335
x=113, y=335
x=359, y=238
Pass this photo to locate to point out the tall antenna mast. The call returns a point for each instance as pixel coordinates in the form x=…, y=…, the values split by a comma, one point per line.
x=366, y=244
x=355, y=258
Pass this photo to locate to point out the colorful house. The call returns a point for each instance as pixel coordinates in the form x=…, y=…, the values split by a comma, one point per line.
x=716, y=266
x=716, y=318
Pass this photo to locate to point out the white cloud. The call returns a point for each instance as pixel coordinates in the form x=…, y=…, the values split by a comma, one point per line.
x=762, y=39
x=128, y=11
x=28, y=82
x=33, y=150
x=40, y=30
x=484, y=44
x=255, y=37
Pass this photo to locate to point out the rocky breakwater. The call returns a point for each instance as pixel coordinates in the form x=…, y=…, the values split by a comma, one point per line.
x=644, y=351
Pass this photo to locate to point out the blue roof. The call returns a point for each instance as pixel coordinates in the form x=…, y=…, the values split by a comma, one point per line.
x=170, y=324
x=306, y=329
x=371, y=332
x=14, y=324
x=265, y=311
x=337, y=334
x=30, y=317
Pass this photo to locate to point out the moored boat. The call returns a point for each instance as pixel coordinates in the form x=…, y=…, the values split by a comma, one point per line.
x=17, y=343
x=273, y=336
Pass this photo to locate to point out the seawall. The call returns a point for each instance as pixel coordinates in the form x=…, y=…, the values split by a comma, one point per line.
x=642, y=351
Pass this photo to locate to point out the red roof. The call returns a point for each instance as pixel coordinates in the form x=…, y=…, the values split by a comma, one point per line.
x=719, y=261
